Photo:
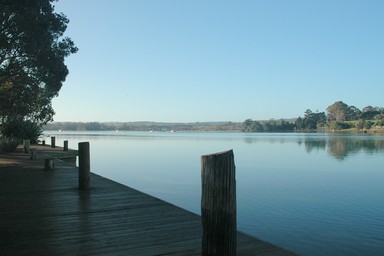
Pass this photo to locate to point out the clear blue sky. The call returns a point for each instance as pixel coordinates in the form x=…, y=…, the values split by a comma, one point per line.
x=219, y=60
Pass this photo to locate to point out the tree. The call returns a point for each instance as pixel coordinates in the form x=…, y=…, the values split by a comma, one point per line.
x=312, y=120
x=299, y=123
x=368, y=109
x=32, y=53
x=321, y=119
x=252, y=126
x=353, y=113
x=370, y=112
x=17, y=128
x=338, y=111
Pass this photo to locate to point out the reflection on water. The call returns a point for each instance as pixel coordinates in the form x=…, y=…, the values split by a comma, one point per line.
x=338, y=146
x=341, y=147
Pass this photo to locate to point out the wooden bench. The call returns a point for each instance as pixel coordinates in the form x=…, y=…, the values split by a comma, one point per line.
x=68, y=156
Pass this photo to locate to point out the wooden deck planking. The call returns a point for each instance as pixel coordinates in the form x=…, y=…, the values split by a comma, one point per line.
x=44, y=213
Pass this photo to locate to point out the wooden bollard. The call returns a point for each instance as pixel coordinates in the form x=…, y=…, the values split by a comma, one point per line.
x=33, y=154
x=26, y=145
x=84, y=166
x=53, y=142
x=218, y=204
x=65, y=145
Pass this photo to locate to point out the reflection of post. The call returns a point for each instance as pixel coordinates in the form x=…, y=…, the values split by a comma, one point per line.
x=53, y=142
x=218, y=204
x=84, y=166
x=65, y=145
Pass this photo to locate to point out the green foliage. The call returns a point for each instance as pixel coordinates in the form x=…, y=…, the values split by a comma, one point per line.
x=368, y=124
x=339, y=125
x=8, y=144
x=32, y=53
x=380, y=123
x=267, y=126
x=252, y=126
x=340, y=117
x=19, y=129
x=360, y=124
x=338, y=111
x=313, y=121
x=299, y=124
x=142, y=126
x=379, y=116
x=353, y=113
x=370, y=113
x=11, y=127
x=32, y=131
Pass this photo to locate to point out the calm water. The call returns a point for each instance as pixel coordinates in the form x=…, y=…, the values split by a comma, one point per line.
x=314, y=194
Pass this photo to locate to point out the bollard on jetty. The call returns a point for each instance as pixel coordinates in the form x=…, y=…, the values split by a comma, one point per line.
x=53, y=142
x=218, y=204
x=84, y=166
x=65, y=145
x=26, y=145
x=33, y=154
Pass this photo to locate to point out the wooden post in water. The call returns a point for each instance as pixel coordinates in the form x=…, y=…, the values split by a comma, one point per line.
x=65, y=145
x=84, y=166
x=53, y=142
x=218, y=204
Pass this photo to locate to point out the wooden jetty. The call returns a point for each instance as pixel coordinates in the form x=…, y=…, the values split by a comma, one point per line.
x=42, y=212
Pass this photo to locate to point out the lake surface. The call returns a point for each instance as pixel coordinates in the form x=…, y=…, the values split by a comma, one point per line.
x=314, y=194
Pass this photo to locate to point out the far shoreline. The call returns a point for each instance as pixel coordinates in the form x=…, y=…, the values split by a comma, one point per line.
x=224, y=126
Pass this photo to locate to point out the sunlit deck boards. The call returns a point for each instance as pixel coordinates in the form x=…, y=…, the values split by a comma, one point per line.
x=44, y=213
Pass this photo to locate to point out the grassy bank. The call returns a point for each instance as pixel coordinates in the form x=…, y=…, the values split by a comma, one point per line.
x=358, y=126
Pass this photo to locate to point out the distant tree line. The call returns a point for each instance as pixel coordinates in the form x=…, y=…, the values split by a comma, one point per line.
x=339, y=116
x=142, y=126
x=109, y=126
x=250, y=125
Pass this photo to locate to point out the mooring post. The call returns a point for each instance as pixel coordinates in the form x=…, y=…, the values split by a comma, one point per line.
x=84, y=166
x=218, y=204
x=26, y=145
x=65, y=145
x=32, y=154
x=53, y=142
